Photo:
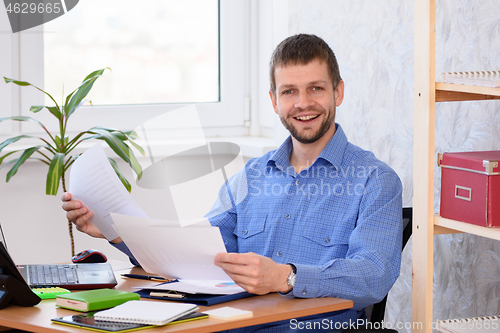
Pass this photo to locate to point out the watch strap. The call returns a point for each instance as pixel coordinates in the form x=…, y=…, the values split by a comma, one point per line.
x=291, y=278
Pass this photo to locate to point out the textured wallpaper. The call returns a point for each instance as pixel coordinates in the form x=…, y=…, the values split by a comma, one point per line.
x=374, y=44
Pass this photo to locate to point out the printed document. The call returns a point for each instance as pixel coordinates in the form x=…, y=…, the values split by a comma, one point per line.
x=94, y=182
x=167, y=249
x=211, y=287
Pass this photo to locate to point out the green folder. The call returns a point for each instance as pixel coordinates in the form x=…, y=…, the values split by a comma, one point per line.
x=92, y=300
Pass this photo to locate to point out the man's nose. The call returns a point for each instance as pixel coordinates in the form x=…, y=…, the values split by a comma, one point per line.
x=304, y=100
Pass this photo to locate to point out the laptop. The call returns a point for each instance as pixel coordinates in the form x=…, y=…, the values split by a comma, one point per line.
x=70, y=276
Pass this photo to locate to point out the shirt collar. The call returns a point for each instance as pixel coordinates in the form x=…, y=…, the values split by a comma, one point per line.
x=332, y=153
x=334, y=149
x=281, y=156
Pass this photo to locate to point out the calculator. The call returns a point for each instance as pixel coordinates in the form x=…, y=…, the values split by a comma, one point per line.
x=49, y=292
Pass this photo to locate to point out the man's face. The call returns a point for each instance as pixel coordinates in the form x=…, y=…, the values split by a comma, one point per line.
x=305, y=100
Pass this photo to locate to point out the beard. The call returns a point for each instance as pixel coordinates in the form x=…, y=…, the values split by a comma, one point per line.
x=313, y=137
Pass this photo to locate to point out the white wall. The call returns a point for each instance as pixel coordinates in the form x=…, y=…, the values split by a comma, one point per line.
x=373, y=41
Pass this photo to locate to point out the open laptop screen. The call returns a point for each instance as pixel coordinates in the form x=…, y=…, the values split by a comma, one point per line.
x=71, y=276
x=13, y=287
x=7, y=266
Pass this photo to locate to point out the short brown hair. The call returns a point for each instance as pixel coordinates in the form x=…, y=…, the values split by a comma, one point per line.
x=302, y=49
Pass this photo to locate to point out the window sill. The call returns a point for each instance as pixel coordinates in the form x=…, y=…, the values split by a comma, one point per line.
x=250, y=146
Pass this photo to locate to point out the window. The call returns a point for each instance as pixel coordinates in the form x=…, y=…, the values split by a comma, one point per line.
x=220, y=104
x=159, y=51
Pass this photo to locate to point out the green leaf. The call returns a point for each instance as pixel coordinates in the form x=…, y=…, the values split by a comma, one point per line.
x=79, y=94
x=55, y=111
x=67, y=101
x=19, y=83
x=36, y=108
x=4, y=156
x=23, y=118
x=58, y=141
x=139, y=148
x=120, y=148
x=123, y=135
x=131, y=134
x=54, y=175
x=12, y=140
x=97, y=136
x=120, y=174
x=25, y=155
x=9, y=162
x=24, y=83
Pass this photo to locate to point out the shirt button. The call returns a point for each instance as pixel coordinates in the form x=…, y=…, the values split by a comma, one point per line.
x=245, y=232
x=297, y=182
x=327, y=240
x=287, y=216
x=279, y=253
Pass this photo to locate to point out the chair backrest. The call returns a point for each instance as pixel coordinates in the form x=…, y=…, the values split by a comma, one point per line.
x=378, y=310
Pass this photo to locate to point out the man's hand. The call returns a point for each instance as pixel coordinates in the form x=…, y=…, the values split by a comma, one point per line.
x=80, y=216
x=255, y=273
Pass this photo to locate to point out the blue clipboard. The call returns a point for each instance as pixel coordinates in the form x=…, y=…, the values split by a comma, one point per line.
x=199, y=299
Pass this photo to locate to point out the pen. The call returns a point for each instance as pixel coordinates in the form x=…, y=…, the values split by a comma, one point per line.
x=165, y=294
x=147, y=277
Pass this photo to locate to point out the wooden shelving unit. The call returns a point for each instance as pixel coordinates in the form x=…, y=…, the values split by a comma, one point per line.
x=425, y=223
x=447, y=92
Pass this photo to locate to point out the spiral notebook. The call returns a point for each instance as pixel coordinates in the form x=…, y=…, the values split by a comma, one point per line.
x=144, y=312
x=488, y=324
x=480, y=78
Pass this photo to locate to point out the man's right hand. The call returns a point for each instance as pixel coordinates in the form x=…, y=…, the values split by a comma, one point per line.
x=80, y=216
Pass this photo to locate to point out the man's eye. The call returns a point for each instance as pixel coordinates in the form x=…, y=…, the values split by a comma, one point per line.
x=286, y=92
x=317, y=88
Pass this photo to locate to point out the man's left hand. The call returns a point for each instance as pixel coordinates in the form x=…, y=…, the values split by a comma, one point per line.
x=255, y=273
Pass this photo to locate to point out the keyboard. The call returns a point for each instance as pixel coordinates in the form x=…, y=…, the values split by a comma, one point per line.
x=52, y=275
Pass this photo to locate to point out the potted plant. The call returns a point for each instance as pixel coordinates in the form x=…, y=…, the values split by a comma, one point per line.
x=56, y=150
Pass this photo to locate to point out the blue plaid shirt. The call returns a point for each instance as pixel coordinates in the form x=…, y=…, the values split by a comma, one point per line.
x=339, y=222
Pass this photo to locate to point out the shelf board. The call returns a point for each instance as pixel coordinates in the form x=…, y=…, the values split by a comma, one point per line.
x=457, y=226
x=448, y=92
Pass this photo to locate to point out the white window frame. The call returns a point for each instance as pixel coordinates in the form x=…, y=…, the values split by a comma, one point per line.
x=224, y=118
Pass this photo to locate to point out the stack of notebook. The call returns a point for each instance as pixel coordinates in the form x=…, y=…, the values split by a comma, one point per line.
x=133, y=315
x=147, y=313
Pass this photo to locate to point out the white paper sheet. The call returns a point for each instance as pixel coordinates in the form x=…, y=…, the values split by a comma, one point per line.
x=93, y=181
x=166, y=249
x=212, y=287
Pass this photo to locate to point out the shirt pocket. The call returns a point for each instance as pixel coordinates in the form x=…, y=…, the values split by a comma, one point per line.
x=329, y=239
x=250, y=225
x=251, y=235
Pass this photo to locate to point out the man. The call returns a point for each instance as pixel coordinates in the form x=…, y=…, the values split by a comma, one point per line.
x=320, y=217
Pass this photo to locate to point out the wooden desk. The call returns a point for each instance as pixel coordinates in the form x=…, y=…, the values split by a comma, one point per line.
x=268, y=308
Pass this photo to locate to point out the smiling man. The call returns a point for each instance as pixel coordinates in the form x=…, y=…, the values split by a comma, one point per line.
x=316, y=217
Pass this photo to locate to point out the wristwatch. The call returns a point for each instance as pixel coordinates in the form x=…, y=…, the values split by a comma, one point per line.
x=291, y=278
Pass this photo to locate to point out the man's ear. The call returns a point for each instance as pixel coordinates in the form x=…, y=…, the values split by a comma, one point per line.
x=273, y=100
x=339, y=93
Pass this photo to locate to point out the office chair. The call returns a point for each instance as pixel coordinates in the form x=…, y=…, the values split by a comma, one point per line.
x=375, y=313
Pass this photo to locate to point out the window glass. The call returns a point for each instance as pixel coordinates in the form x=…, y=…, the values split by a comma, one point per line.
x=159, y=51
